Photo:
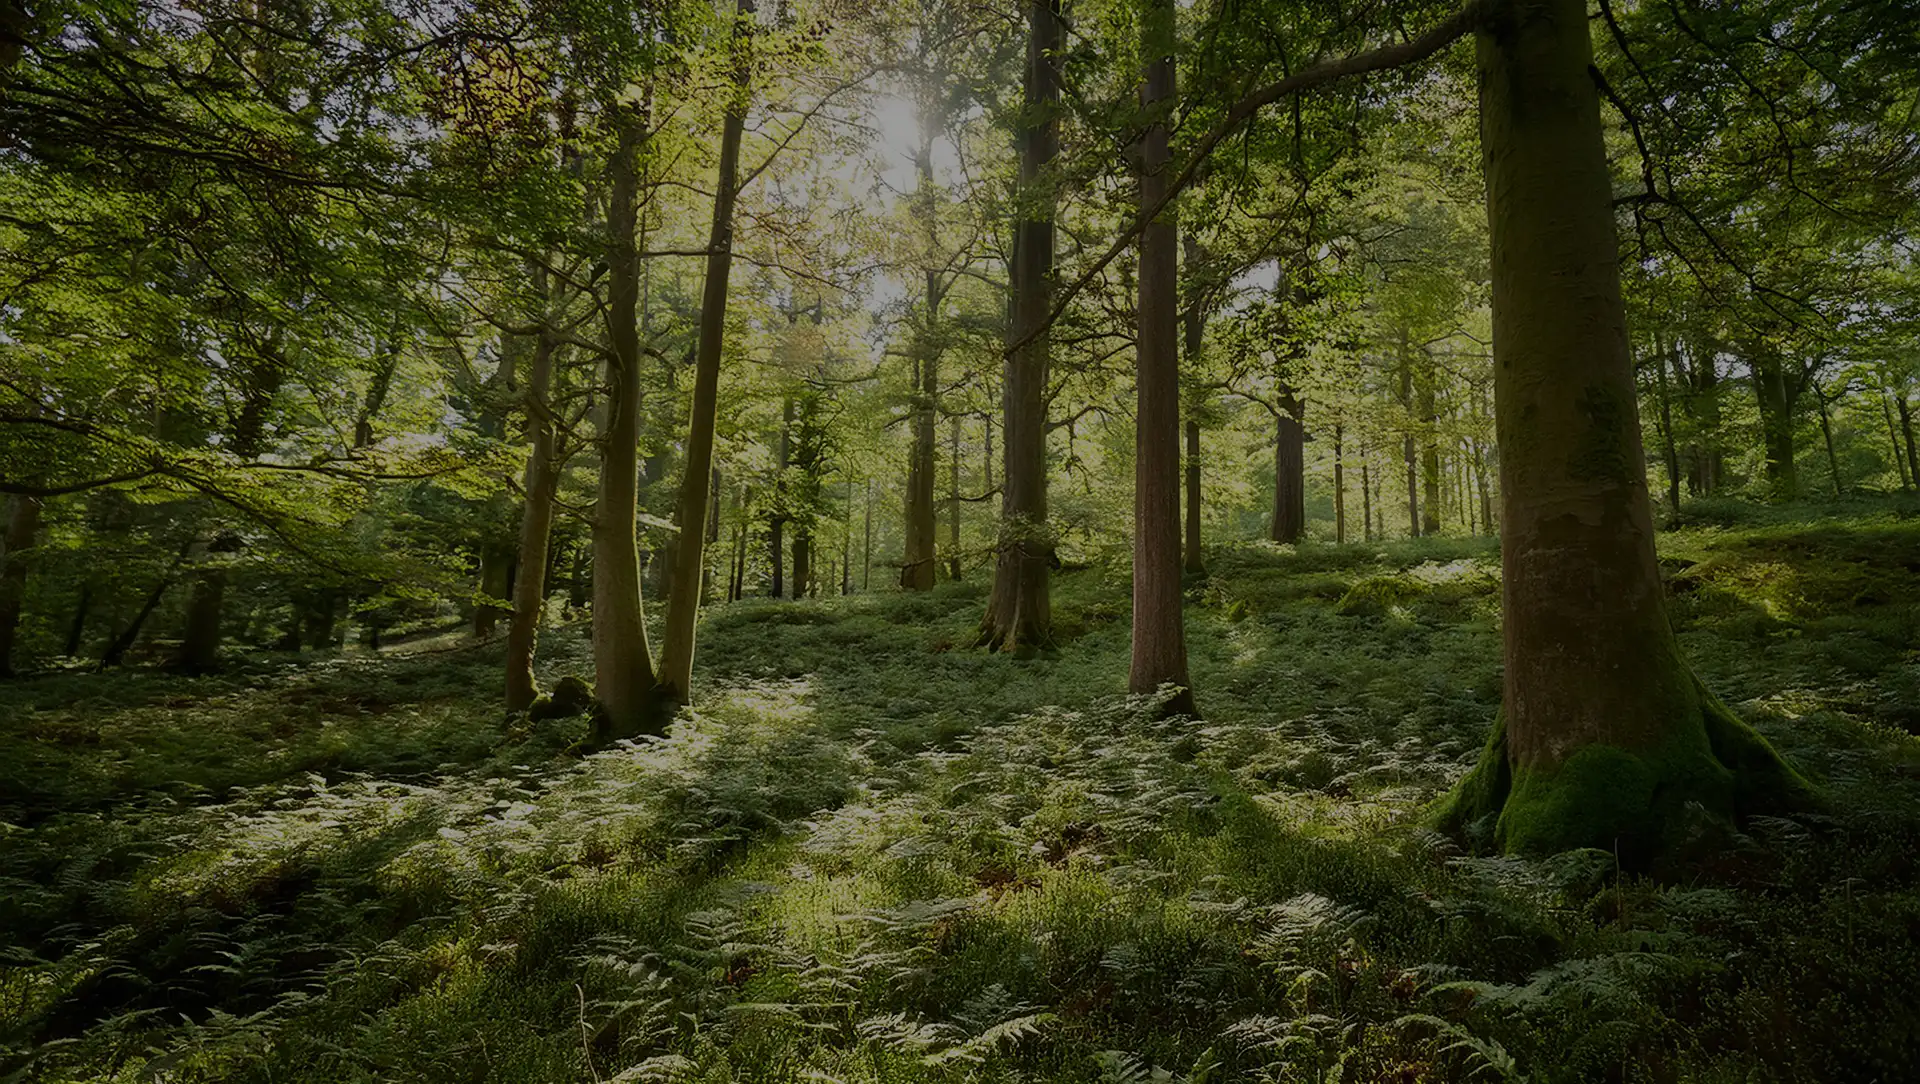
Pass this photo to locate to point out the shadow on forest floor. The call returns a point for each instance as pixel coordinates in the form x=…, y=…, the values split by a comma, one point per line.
x=874, y=854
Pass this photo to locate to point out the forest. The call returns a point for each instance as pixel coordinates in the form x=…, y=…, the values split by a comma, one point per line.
x=1108, y=541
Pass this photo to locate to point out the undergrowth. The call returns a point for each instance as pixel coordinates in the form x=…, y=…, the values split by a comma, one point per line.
x=873, y=854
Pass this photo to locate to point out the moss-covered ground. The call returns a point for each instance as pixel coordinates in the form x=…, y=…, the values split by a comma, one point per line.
x=873, y=854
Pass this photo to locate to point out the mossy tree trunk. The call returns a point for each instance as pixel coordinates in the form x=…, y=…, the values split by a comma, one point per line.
x=1159, y=655
x=622, y=660
x=1019, y=611
x=1605, y=736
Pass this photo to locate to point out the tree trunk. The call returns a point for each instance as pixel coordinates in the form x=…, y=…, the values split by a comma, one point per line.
x=1195, y=555
x=919, y=564
x=23, y=530
x=77, y=630
x=1666, y=432
x=1159, y=632
x=1429, y=449
x=1826, y=433
x=1606, y=737
x=866, y=558
x=1408, y=451
x=1366, y=499
x=622, y=659
x=1019, y=612
x=200, y=637
x=696, y=487
x=123, y=641
x=1899, y=456
x=1289, y=521
x=536, y=532
x=1906, y=428
x=954, y=565
x=1775, y=399
x=1339, y=486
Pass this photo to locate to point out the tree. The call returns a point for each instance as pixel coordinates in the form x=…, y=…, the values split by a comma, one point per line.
x=1159, y=627
x=1605, y=735
x=1019, y=613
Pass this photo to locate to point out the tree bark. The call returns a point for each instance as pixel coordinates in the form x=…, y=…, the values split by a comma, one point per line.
x=1429, y=449
x=919, y=563
x=1339, y=486
x=22, y=533
x=1899, y=455
x=1366, y=499
x=696, y=492
x=536, y=531
x=1408, y=451
x=1775, y=398
x=1666, y=433
x=1826, y=433
x=622, y=659
x=1019, y=612
x=77, y=628
x=1289, y=521
x=955, y=567
x=1159, y=631
x=1606, y=738
x=1906, y=428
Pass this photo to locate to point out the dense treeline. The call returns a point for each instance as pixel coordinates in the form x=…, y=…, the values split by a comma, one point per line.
x=338, y=322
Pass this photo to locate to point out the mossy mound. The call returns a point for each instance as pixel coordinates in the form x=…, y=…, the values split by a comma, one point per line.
x=570, y=696
x=1645, y=806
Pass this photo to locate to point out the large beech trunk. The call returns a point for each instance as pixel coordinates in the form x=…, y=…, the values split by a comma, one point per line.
x=1019, y=613
x=1289, y=522
x=696, y=489
x=1606, y=737
x=536, y=531
x=1159, y=631
x=622, y=659
x=22, y=531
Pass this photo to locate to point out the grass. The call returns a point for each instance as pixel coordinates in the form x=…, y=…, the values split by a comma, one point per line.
x=874, y=854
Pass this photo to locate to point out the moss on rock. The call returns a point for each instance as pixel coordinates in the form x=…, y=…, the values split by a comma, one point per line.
x=1376, y=595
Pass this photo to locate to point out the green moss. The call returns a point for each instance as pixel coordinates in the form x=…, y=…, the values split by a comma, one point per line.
x=571, y=696
x=1642, y=805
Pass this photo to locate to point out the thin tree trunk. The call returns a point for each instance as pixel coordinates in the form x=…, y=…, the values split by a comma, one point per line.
x=920, y=561
x=1605, y=737
x=1159, y=631
x=683, y=600
x=1826, y=433
x=1906, y=428
x=77, y=630
x=1429, y=448
x=1019, y=612
x=536, y=530
x=1196, y=336
x=1339, y=486
x=123, y=642
x=623, y=661
x=1407, y=447
x=1366, y=499
x=954, y=565
x=1893, y=434
x=23, y=530
x=1666, y=433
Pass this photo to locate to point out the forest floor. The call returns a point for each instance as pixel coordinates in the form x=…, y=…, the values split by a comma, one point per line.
x=875, y=854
